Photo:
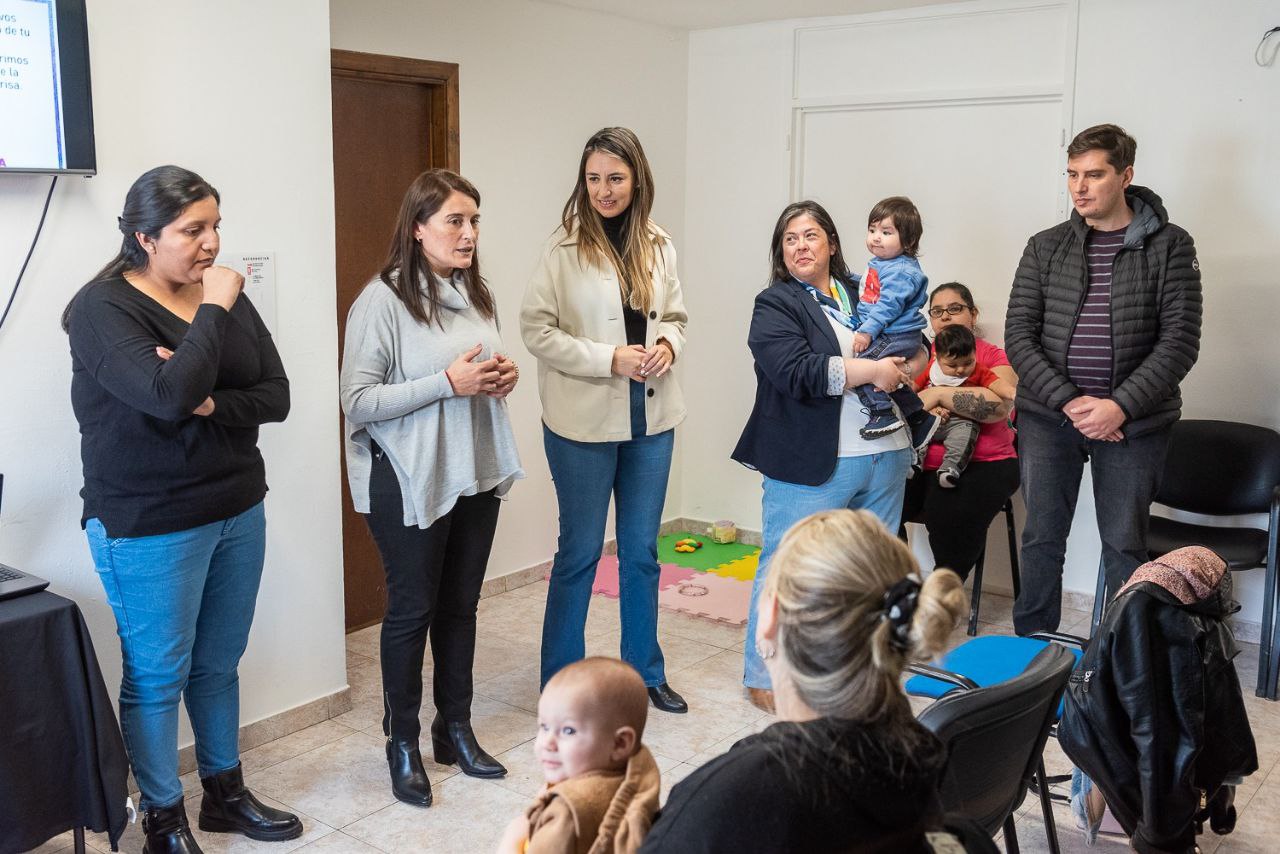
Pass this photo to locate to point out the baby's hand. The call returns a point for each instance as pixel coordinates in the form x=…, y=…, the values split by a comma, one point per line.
x=861, y=341
x=516, y=833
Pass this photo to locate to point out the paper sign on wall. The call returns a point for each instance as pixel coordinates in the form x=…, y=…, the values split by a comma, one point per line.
x=259, y=271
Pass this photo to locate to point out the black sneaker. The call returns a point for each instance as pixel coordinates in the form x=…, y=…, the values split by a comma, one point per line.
x=881, y=423
x=923, y=425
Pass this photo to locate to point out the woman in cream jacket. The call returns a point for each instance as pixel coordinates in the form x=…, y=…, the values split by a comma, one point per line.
x=605, y=318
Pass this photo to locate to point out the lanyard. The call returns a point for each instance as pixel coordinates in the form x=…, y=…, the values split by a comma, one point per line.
x=836, y=306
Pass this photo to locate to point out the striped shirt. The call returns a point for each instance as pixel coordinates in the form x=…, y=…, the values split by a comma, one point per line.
x=1089, y=354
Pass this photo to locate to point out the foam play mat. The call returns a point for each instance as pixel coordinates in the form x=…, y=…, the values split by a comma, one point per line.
x=697, y=576
x=712, y=597
x=720, y=588
x=707, y=556
x=743, y=569
x=606, y=583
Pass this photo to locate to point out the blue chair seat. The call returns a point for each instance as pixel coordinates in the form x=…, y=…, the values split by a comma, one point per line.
x=987, y=660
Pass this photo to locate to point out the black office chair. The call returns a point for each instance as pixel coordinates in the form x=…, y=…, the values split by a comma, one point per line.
x=1221, y=468
x=995, y=739
x=1014, y=573
x=965, y=832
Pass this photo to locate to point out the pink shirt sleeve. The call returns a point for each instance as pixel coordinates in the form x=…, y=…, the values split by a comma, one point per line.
x=989, y=355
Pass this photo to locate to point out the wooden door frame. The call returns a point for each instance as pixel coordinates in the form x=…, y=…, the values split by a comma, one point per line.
x=441, y=76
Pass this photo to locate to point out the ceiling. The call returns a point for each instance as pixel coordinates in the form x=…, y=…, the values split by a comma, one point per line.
x=705, y=14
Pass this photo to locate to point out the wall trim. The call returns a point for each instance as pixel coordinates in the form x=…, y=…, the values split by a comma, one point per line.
x=1061, y=91
x=1030, y=94
x=339, y=702
x=1246, y=631
x=276, y=726
x=893, y=17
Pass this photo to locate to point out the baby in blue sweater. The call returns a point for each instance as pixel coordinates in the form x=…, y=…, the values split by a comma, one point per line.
x=890, y=296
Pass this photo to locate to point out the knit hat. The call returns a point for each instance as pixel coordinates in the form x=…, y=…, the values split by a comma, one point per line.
x=1190, y=573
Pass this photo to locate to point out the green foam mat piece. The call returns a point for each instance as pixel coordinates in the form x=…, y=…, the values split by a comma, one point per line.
x=710, y=556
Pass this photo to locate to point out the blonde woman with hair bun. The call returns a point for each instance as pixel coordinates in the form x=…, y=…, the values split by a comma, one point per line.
x=846, y=767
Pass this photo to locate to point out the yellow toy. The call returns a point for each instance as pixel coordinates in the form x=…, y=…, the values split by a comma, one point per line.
x=688, y=545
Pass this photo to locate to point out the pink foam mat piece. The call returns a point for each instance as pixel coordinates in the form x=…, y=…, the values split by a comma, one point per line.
x=713, y=597
x=606, y=583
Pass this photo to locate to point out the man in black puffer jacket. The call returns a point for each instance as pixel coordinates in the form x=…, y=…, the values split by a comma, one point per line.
x=1103, y=324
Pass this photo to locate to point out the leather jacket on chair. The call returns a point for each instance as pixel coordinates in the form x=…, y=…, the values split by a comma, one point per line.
x=1154, y=713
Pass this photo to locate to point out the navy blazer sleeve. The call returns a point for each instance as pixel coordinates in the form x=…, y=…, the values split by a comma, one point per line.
x=780, y=342
x=793, y=433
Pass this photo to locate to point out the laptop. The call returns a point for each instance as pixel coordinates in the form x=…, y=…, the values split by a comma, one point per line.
x=15, y=582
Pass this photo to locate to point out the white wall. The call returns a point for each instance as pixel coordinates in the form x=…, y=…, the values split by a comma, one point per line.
x=739, y=176
x=1182, y=80
x=242, y=97
x=536, y=80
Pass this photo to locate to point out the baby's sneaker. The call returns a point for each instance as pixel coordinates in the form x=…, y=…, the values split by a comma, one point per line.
x=923, y=425
x=947, y=477
x=880, y=423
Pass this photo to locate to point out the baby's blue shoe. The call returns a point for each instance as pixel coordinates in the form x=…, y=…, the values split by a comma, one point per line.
x=880, y=423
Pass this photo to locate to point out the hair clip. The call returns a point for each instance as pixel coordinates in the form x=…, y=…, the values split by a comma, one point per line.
x=899, y=607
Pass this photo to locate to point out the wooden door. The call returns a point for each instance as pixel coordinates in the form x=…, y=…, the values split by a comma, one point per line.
x=392, y=119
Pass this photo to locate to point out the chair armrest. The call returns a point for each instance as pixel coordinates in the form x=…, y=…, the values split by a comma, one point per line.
x=943, y=676
x=1062, y=638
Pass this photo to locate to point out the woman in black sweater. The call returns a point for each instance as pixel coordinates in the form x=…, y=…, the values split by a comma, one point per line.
x=846, y=768
x=172, y=373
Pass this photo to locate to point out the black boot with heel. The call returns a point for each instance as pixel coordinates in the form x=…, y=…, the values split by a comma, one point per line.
x=167, y=831
x=456, y=742
x=228, y=807
x=409, y=781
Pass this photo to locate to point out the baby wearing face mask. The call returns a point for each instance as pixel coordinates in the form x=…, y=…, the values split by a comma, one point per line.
x=955, y=363
x=602, y=783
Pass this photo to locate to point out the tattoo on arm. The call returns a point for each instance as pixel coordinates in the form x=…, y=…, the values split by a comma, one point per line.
x=973, y=405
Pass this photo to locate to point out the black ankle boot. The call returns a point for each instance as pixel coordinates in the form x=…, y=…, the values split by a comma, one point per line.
x=228, y=807
x=409, y=781
x=167, y=831
x=456, y=742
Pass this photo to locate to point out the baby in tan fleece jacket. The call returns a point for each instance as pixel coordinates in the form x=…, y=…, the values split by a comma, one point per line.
x=602, y=783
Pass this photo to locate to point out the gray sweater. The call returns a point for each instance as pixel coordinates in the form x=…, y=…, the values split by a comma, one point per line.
x=394, y=392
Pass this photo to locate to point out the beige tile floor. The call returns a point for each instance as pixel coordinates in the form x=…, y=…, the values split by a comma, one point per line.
x=334, y=776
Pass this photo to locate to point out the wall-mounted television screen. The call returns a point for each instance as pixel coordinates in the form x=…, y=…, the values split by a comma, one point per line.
x=46, y=112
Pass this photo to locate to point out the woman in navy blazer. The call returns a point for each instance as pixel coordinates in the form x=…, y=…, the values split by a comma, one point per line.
x=802, y=435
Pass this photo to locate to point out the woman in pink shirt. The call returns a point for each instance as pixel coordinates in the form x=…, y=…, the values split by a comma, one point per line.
x=957, y=518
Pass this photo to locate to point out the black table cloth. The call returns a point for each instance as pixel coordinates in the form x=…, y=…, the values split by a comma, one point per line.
x=62, y=760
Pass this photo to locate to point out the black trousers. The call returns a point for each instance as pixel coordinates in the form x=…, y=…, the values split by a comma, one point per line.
x=433, y=586
x=957, y=519
x=1126, y=476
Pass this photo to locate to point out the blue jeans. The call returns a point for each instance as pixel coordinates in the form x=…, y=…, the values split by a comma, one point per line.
x=1126, y=475
x=874, y=482
x=183, y=604
x=905, y=344
x=585, y=474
